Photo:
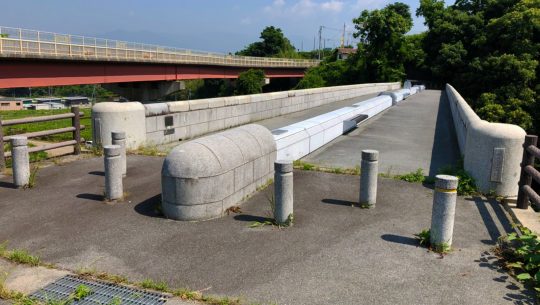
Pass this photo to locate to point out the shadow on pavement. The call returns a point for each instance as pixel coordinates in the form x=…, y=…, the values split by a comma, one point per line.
x=516, y=295
x=339, y=202
x=400, y=239
x=97, y=173
x=490, y=220
x=252, y=218
x=95, y=197
x=7, y=185
x=150, y=207
x=445, y=150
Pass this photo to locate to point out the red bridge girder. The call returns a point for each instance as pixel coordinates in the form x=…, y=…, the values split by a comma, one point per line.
x=40, y=73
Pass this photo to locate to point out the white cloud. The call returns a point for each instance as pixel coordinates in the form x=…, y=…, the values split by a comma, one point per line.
x=369, y=4
x=245, y=21
x=303, y=7
x=333, y=6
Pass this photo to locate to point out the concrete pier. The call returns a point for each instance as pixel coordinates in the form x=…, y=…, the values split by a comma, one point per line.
x=443, y=212
x=283, y=192
x=119, y=138
x=20, y=160
x=113, y=173
x=369, y=172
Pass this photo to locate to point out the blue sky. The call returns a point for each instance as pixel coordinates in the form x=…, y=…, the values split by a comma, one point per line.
x=209, y=25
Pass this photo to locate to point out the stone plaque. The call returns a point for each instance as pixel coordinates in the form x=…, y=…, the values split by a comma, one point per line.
x=497, y=164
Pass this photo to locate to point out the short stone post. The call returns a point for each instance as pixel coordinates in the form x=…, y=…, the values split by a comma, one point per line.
x=113, y=173
x=369, y=172
x=119, y=138
x=20, y=161
x=283, y=192
x=443, y=212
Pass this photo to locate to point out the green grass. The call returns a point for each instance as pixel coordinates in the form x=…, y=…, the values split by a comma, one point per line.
x=417, y=176
x=22, y=257
x=158, y=286
x=86, y=120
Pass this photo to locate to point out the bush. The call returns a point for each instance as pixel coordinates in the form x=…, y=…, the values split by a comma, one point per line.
x=466, y=183
x=417, y=176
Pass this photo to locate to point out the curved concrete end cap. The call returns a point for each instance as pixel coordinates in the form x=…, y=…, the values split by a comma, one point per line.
x=19, y=141
x=191, y=160
x=446, y=182
x=499, y=130
x=117, y=107
x=370, y=155
x=262, y=135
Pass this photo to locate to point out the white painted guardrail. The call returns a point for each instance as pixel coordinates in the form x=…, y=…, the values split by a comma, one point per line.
x=300, y=139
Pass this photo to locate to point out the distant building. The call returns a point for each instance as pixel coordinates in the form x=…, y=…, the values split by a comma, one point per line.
x=7, y=103
x=344, y=53
x=53, y=105
x=76, y=101
x=42, y=100
x=39, y=107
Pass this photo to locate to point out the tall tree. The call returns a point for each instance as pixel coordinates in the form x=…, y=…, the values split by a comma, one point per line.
x=382, y=47
x=250, y=82
x=273, y=44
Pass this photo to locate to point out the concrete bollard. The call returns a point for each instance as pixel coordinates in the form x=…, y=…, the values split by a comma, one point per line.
x=369, y=172
x=113, y=173
x=443, y=212
x=119, y=138
x=20, y=161
x=283, y=192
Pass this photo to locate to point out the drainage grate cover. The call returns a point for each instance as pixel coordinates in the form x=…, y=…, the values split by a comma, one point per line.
x=102, y=293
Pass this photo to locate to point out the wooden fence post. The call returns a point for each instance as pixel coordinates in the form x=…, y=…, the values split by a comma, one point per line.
x=2, y=158
x=76, y=122
x=525, y=178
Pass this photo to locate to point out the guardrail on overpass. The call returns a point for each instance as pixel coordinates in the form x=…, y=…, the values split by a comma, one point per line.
x=491, y=151
x=16, y=42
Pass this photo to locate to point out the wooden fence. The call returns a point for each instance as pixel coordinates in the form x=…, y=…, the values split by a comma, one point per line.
x=75, y=129
x=530, y=153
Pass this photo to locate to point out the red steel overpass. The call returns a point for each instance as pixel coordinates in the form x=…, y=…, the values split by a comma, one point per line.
x=34, y=59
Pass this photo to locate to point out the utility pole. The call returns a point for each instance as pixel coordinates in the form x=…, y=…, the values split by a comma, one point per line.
x=320, y=37
x=343, y=37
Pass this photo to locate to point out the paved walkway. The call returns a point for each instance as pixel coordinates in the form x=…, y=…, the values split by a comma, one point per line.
x=418, y=133
x=334, y=254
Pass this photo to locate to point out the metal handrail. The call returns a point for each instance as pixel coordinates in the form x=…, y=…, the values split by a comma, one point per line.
x=48, y=44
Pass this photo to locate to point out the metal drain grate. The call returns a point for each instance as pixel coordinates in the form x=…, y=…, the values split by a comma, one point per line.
x=102, y=293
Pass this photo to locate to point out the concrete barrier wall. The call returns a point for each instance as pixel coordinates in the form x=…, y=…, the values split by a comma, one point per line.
x=297, y=140
x=491, y=152
x=173, y=121
x=188, y=119
x=202, y=178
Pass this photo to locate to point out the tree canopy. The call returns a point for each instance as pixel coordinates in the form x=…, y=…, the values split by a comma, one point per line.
x=250, y=82
x=489, y=51
x=273, y=44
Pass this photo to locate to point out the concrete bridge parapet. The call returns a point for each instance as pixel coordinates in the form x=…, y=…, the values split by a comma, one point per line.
x=491, y=152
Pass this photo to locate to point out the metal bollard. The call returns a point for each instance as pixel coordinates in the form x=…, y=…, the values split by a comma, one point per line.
x=443, y=212
x=119, y=138
x=113, y=173
x=283, y=192
x=20, y=161
x=369, y=172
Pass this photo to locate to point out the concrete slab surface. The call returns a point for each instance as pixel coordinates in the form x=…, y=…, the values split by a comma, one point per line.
x=417, y=133
x=334, y=254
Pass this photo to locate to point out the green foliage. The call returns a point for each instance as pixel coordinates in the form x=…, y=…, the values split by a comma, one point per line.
x=81, y=292
x=489, y=51
x=273, y=44
x=86, y=120
x=466, y=183
x=22, y=257
x=382, y=34
x=158, y=286
x=250, y=82
x=417, y=176
x=521, y=254
x=424, y=238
